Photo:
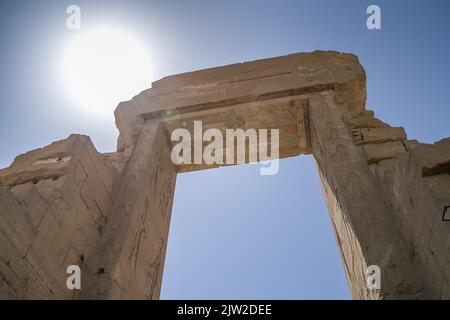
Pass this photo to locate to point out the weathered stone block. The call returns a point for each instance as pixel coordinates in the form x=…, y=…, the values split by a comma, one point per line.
x=378, y=152
x=380, y=135
x=363, y=119
x=434, y=158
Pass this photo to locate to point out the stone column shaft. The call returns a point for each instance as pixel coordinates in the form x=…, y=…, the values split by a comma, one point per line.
x=132, y=245
x=364, y=225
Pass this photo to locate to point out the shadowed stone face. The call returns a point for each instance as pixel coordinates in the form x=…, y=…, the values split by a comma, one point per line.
x=66, y=204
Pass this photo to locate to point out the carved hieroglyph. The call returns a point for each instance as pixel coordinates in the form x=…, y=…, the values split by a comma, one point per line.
x=110, y=213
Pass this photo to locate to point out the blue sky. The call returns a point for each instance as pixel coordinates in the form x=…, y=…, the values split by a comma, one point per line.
x=234, y=233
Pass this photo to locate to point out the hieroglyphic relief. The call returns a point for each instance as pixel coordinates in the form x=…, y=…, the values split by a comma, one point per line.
x=152, y=271
x=143, y=195
x=140, y=235
x=162, y=178
x=366, y=214
x=129, y=184
x=156, y=169
x=341, y=154
x=332, y=131
x=323, y=109
x=331, y=140
x=167, y=192
x=353, y=187
x=110, y=245
x=328, y=118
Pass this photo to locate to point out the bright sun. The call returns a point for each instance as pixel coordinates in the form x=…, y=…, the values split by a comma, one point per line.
x=104, y=66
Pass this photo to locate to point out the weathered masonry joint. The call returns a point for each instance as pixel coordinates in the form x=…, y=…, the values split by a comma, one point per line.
x=67, y=204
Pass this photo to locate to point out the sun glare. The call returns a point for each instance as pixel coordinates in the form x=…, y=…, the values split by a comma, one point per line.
x=104, y=66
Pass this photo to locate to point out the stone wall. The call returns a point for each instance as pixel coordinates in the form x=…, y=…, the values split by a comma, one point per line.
x=66, y=204
x=398, y=224
x=361, y=216
x=110, y=213
x=416, y=183
x=53, y=203
x=128, y=259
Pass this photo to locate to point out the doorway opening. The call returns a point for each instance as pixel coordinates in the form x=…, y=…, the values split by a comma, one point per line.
x=235, y=234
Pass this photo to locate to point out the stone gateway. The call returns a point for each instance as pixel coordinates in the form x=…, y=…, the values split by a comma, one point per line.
x=67, y=204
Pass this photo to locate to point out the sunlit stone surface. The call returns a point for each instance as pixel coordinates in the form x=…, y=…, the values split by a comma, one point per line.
x=67, y=204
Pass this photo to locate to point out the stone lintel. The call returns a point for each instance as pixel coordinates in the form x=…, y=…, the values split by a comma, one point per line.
x=195, y=94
